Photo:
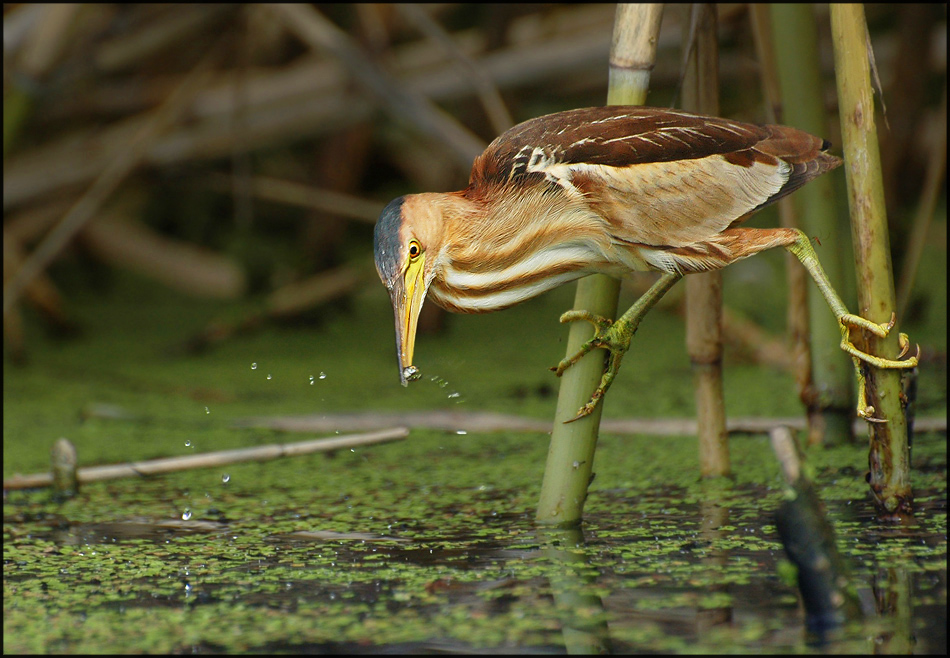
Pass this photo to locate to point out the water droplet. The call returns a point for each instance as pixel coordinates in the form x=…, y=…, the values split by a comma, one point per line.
x=268, y=375
x=461, y=432
x=576, y=464
x=323, y=375
x=454, y=395
x=186, y=515
x=411, y=373
x=225, y=478
x=187, y=444
x=207, y=410
x=254, y=366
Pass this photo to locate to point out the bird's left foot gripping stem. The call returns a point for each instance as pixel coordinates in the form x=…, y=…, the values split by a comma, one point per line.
x=608, y=337
x=612, y=336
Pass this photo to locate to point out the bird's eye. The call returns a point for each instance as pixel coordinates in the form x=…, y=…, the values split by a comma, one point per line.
x=414, y=249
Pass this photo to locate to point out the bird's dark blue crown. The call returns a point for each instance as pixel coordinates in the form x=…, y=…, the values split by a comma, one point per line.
x=386, y=247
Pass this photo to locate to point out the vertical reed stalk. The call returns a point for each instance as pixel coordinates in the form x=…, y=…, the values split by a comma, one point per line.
x=571, y=453
x=830, y=406
x=889, y=455
x=704, y=291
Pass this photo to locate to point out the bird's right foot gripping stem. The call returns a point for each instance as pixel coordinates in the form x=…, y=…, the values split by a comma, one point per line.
x=805, y=253
x=847, y=321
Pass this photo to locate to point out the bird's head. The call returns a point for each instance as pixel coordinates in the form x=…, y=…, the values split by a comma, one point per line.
x=406, y=244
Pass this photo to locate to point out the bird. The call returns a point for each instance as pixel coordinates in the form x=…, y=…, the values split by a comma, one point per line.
x=605, y=190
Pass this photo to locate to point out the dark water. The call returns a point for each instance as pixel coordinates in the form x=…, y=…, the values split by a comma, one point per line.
x=448, y=567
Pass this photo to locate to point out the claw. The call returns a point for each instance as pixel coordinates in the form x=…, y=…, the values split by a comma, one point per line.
x=867, y=413
x=585, y=410
x=904, y=342
x=890, y=325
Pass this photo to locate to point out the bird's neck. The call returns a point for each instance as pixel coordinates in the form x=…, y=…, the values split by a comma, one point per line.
x=521, y=244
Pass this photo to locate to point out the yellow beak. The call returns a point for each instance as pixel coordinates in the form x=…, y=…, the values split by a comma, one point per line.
x=407, y=297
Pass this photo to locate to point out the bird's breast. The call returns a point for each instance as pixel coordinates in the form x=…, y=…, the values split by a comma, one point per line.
x=482, y=289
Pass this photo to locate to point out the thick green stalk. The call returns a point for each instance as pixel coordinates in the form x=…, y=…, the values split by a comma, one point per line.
x=830, y=407
x=889, y=455
x=571, y=454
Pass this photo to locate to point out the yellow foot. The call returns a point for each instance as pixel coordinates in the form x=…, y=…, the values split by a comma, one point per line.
x=611, y=336
x=880, y=330
x=846, y=321
x=601, y=325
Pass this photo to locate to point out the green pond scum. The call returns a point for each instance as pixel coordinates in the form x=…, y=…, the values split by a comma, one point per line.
x=428, y=544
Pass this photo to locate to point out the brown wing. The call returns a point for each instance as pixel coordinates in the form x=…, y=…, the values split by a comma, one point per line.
x=658, y=177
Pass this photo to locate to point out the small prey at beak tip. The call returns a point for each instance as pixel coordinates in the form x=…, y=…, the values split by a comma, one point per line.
x=410, y=374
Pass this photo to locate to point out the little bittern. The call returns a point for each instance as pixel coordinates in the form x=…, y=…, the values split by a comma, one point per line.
x=603, y=189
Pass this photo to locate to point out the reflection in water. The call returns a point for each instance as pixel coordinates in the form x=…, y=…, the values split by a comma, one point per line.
x=583, y=623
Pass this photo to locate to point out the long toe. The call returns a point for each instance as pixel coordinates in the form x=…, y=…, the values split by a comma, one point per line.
x=877, y=361
x=585, y=348
x=600, y=323
x=856, y=321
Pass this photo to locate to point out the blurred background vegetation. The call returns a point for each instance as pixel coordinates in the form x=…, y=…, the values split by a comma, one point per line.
x=244, y=151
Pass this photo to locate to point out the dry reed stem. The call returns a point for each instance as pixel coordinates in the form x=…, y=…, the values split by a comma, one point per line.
x=211, y=459
x=406, y=105
x=307, y=98
x=704, y=337
x=487, y=90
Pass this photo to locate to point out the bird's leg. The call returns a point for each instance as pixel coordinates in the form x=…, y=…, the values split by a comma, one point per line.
x=613, y=336
x=803, y=250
